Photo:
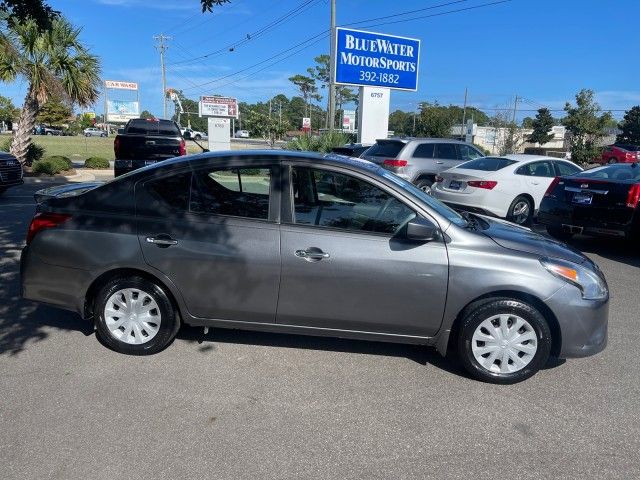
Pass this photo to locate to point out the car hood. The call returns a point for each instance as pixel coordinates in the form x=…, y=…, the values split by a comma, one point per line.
x=514, y=237
x=66, y=190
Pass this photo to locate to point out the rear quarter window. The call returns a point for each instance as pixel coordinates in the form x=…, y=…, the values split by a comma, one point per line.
x=487, y=164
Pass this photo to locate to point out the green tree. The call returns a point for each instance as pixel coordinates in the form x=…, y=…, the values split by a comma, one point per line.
x=147, y=114
x=54, y=112
x=207, y=5
x=8, y=112
x=190, y=115
x=53, y=63
x=401, y=123
x=586, y=125
x=527, y=122
x=541, y=127
x=271, y=129
x=36, y=10
x=307, y=87
x=630, y=127
x=435, y=120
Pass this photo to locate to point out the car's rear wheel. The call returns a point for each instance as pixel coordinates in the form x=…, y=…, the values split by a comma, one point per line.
x=135, y=316
x=503, y=341
x=612, y=160
x=520, y=211
x=559, y=233
x=424, y=184
x=198, y=137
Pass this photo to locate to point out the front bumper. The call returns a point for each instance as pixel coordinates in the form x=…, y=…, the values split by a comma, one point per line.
x=583, y=323
x=12, y=183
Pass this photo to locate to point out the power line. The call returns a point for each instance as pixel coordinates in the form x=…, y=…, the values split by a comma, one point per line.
x=408, y=12
x=254, y=35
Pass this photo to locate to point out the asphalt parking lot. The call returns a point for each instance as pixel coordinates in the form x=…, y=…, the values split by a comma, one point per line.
x=253, y=405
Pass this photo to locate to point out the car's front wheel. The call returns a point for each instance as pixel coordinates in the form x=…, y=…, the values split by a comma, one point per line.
x=503, y=341
x=135, y=316
x=424, y=184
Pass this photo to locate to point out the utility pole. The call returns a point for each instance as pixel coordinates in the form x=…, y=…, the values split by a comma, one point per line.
x=280, y=114
x=464, y=115
x=161, y=47
x=515, y=109
x=269, y=109
x=332, y=62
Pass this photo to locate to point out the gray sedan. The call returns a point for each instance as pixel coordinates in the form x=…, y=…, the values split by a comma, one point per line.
x=298, y=243
x=94, y=132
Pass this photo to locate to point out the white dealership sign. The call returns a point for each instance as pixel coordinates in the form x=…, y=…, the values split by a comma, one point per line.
x=373, y=114
x=219, y=134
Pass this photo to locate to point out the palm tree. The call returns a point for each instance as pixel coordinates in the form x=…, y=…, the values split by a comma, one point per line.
x=53, y=62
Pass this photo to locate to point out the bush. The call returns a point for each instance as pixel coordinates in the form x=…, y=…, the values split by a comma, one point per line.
x=96, y=162
x=324, y=143
x=34, y=153
x=50, y=165
x=62, y=159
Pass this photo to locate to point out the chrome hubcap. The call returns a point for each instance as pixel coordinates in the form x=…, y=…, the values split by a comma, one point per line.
x=426, y=189
x=132, y=316
x=504, y=343
x=521, y=212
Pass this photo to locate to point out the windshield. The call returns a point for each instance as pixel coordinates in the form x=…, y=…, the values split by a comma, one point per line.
x=436, y=205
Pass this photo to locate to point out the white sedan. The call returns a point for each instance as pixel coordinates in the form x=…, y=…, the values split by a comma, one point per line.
x=509, y=186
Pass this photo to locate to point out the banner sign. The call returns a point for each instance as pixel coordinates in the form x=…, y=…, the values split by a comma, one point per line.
x=120, y=85
x=306, y=123
x=218, y=107
x=349, y=120
x=376, y=59
x=121, y=111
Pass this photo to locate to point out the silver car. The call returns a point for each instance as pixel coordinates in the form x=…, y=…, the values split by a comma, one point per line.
x=94, y=132
x=419, y=160
x=299, y=243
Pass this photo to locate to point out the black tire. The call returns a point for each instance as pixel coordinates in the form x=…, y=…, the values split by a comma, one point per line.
x=424, y=184
x=169, y=322
x=484, y=310
x=198, y=137
x=103, y=135
x=512, y=215
x=87, y=134
x=559, y=234
x=612, y=160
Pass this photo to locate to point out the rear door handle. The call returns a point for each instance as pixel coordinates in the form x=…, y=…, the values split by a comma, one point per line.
x=311, y=254
x=162, y=241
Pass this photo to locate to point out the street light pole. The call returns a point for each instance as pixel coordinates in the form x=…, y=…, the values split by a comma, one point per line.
x=332, y=62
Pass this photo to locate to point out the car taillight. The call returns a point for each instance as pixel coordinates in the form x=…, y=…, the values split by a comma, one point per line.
x=630, y=156
x=552, y=187
x=116, y=147
x=183, y=147
x=439, y=179
x=42, y=221
x=392, y=162
x=633, y=197
x=487, y=184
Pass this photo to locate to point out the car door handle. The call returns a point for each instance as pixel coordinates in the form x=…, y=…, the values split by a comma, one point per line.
x=162, y=241
x=440, y=163
x=309, y=254
x=535, y=183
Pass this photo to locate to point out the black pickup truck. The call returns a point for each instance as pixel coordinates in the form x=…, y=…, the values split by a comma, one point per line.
x=144, y=142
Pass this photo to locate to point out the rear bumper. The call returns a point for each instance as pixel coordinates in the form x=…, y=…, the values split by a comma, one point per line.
x=606, y=223
x=477, y=202
x=66, y=291
x=583, y=323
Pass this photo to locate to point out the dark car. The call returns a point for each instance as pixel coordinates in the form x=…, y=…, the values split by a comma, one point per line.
x=351, y=149
x=300, y=243
x=10, y=171
x=145, y=142
x=601, y=201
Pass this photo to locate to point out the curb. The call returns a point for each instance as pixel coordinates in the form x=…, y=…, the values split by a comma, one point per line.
x=78, y=177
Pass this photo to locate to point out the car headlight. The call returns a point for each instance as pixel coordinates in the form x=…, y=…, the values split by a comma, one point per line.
x=590, y=283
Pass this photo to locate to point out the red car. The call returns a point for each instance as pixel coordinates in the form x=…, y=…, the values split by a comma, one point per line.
x=619, y=153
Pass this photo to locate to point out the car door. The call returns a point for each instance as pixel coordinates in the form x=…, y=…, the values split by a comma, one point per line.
x=345, y=265
x=446, y=156
x=537, y=176
x=212, y=230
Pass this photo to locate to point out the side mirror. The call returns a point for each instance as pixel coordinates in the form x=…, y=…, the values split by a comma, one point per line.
x=187, y=134
x=421, y=230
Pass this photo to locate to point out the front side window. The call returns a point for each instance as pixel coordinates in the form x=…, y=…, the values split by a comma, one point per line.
x=237, y=192
x=468, y=153
x=329, y=199
x=446, y=151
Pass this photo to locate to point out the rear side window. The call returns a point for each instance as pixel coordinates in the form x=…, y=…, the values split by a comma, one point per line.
x=389, y=149
x=164, y=128
x=565, y=168
x=487, y=164
x=237, y=192
x=424, y=150
x=446, y=151
x=168, y=194
x=537, y=169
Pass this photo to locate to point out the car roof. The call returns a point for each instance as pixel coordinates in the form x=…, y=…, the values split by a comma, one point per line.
x=421, y=139
x=525, y=157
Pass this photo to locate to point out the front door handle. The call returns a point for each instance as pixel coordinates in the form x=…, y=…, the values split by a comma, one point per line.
x=311, y=254
x=162, y=241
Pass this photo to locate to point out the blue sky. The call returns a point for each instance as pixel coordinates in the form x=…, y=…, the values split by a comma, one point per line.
x=542, y=50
